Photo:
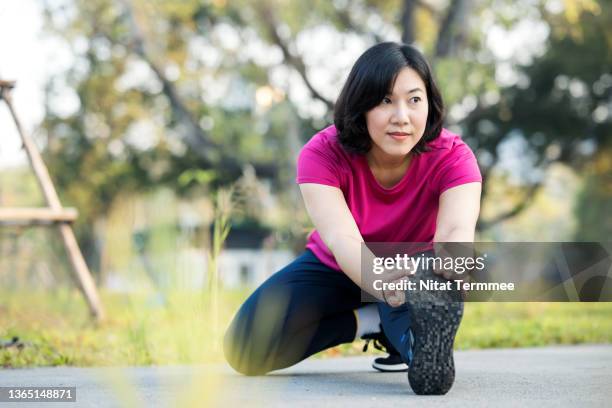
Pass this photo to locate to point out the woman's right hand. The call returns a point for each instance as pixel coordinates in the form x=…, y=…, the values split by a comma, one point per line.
x=395, y=298
x=398, y=277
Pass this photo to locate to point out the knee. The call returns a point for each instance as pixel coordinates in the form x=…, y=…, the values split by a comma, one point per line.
x=251, y=342
x=239, y=351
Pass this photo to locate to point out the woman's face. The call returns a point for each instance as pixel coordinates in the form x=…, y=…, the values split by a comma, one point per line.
x=397, y=124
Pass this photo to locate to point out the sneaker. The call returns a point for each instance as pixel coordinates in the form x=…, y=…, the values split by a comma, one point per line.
x=393, y=362
x=435, y=317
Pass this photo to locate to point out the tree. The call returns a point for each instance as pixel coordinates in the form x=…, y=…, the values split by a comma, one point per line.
x=558, y=107
x=134, y=127
x=167, y=87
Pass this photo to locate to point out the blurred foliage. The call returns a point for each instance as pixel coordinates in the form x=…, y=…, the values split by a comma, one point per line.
x=185, y=94
x=594, y=205
x=560, y=106
x=554, y=103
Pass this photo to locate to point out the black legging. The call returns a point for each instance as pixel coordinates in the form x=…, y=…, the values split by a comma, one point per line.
x=302, y=309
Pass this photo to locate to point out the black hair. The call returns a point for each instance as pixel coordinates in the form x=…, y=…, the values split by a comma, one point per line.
x=370, y=80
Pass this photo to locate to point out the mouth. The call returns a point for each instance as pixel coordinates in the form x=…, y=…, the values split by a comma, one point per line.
x=399, y=135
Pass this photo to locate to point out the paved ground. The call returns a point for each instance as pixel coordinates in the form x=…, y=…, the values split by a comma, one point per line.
x=538, y=377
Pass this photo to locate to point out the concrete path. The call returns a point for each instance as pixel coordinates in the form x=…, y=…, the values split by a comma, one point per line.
x=537, y=377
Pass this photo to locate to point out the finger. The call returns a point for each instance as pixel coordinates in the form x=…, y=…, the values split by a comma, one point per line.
x=394, y=302
x=399, y=298
x=394, y=275
x=392, y=299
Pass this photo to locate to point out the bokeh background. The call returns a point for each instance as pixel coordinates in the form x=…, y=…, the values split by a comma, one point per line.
x=173, y=127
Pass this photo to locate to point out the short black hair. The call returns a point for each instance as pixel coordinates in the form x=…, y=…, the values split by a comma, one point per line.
x=370, y=80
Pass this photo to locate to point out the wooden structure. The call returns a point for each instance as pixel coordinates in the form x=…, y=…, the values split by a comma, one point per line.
x=54, y=214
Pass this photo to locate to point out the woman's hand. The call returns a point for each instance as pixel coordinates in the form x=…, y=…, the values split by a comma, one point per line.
x=398, y=278
x=396, y=297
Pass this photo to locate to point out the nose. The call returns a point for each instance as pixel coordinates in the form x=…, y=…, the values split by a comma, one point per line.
x=401, y=115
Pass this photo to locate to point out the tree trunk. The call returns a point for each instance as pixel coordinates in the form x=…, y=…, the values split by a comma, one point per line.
x=453, y=30
x=407, y=21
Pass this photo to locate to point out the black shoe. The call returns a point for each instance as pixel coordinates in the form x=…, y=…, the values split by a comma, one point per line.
x=393, y=362
x=435, y=317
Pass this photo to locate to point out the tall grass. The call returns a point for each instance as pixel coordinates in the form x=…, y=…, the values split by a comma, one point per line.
x=222, y=213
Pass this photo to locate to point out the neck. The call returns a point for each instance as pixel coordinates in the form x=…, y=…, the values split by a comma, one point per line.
x=379, y=160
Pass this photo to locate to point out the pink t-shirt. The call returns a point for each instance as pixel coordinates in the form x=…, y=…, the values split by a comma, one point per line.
x=406, y=212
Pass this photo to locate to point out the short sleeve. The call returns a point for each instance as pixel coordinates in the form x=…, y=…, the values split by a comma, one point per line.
x=459, y=167
x=318, y=165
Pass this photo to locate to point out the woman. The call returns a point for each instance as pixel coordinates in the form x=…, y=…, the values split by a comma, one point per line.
x=386, y=171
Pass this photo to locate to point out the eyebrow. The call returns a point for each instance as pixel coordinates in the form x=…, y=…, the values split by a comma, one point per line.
x=410, y=91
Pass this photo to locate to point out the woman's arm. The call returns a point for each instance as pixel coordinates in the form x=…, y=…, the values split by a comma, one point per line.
x=456, y=222
x=335, y=223
x=457, y=213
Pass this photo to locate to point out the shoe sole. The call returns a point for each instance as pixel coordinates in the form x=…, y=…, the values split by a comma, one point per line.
x=435, y=317
x=398, y=368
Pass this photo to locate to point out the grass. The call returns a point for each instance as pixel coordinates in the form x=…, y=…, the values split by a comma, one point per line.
x=142, y=330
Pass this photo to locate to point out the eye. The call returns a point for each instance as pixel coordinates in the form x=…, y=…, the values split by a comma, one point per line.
x=415, y=99
x=386, y=101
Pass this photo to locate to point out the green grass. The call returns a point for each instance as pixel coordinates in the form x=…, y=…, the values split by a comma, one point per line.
x=140, y=331
x=137, y=330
